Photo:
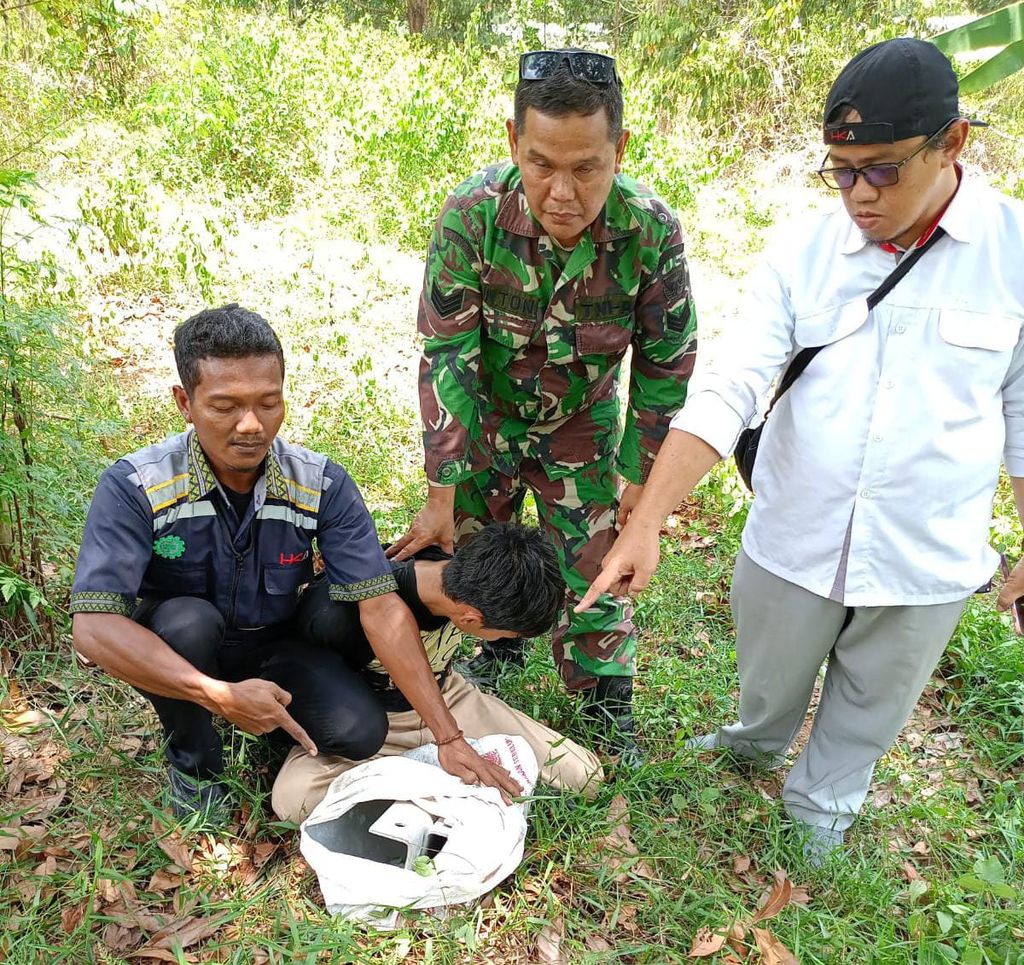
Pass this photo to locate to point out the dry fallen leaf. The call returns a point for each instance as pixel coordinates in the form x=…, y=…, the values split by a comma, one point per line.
x=910, y=871
x=883, y=798
x=736, y=938
x=620, y=844
x=800, y=896
x=262, y=852
x=597, y=943
x=161, y=955
x=549, y=944
x=707, y=943
x=184, y=932
x=19, y=721
x=740, y=864
x=107, y=890
x=118, y=938
x=71, y=916
x=627, y=918
x=174, y=847
x=776, y=899
x=773, y=952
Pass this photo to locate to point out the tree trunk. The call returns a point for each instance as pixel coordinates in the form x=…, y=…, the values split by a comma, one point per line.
x=416, y=15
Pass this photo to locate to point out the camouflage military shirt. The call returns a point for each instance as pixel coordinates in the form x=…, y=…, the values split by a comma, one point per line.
x=521, y=355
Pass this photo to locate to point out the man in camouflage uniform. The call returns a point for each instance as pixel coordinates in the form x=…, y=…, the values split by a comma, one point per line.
x=540, y=274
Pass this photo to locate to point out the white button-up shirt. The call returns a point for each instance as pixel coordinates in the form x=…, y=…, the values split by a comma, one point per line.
x=876, y=471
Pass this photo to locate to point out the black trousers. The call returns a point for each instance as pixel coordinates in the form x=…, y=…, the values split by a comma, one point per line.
x=314, y=658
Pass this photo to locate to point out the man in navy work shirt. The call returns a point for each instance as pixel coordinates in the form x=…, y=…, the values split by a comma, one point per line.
x=193, y=556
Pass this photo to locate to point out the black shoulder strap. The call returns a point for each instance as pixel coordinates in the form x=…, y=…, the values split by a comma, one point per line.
x=906, y=263
x=804, y=356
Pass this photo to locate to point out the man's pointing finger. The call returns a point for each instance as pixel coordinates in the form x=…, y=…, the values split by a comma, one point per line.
x=291, y=725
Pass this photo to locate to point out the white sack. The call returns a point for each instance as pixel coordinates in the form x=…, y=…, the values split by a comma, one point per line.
x=485, y=835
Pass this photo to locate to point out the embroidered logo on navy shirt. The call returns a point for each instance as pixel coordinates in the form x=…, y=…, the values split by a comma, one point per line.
x=169, y=547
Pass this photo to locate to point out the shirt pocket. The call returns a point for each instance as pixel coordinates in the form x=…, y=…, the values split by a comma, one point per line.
x=603, y=338
x=285, y=579
x=825, y=327
x=510, y=318
x=174, y=579
x=976, y=351
x=978, y=330
x=281, y=585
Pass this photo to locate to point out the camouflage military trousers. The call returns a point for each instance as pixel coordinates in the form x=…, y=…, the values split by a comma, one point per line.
x=578, y=514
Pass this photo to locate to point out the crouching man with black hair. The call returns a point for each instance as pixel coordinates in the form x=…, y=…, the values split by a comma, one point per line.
x=192, y=561
x=504, y=582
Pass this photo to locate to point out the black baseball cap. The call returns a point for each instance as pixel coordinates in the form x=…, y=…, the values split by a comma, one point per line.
x=901, y=88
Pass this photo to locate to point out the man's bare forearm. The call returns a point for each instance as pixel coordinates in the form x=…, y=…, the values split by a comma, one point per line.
x=130, y=652
x=392, y=631
x=683, y=461
x=441, y=496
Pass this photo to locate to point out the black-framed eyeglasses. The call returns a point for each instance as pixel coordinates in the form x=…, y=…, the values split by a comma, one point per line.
x=877, y=175
x=582, y=64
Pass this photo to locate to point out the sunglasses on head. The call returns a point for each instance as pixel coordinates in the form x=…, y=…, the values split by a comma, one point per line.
x=877, y=175
x=582, y=64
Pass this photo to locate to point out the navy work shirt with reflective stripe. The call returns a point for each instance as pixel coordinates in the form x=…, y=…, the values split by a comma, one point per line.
x=160, y=524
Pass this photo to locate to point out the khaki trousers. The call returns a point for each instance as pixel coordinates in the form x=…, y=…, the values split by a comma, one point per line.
x=303, y=780
x=879, y=659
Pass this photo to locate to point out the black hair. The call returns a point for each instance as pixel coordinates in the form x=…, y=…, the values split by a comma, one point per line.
x=510, y=574
x=562, y=94
x=228, y=332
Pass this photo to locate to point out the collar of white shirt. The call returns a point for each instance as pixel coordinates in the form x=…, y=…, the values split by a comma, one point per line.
x=959, y=221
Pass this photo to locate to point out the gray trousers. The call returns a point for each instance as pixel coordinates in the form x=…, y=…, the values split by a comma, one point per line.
x=878, y=663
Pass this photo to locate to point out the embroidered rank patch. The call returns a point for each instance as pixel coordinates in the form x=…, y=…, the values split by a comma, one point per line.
x=169, y=547
x=451, y=235
x=508, y=301
x=677, y=284
x=447, y=305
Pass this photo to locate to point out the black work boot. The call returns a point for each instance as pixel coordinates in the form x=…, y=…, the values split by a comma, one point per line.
x=494, y=658
x=610, y=706
x=189, y=795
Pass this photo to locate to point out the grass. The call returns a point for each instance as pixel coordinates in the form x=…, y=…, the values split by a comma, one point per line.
x=708, y=830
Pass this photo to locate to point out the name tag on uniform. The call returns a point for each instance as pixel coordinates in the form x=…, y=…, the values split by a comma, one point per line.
x=508, y=301
x=602, y=308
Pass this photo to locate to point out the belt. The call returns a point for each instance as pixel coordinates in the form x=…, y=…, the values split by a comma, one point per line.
x=390, y=697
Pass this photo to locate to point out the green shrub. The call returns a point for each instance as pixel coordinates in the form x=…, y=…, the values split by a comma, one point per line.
x=50, y=416
x=231, y=108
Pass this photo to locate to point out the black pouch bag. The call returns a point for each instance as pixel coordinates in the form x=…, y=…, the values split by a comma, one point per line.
x=745, y=452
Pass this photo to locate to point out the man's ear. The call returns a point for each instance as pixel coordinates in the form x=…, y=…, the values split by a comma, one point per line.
x=956, y=140
x=181, y=401
x=620, y=150
x=471, y=618
x=513, y=141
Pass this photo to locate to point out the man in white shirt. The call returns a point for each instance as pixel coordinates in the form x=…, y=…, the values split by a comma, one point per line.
x=876, y=469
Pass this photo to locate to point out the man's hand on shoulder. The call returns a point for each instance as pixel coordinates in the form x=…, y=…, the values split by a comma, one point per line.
x=258, y=707
x=434, y=525
x=459, y=759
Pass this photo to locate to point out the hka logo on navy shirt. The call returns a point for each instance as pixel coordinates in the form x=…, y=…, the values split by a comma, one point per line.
x=289, y=559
